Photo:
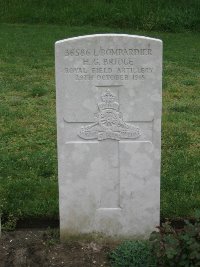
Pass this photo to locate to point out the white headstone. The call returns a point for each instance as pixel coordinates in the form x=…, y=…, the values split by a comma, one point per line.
x=109, y=134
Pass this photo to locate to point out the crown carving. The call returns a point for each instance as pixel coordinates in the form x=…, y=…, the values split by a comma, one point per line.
x=108, y=101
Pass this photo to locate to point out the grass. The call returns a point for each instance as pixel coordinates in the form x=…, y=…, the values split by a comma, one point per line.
x=28, y=159
x=154, y=15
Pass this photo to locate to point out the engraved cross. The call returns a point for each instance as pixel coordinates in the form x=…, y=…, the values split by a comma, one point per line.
x=109, y=130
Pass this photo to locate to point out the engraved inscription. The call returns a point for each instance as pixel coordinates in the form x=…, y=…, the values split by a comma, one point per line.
x=114, y=73
x=109, y=123
x=109, y=52
x=109, y=64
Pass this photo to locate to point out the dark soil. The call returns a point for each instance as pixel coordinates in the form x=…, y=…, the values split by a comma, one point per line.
x=42, y=248
x=37, y=248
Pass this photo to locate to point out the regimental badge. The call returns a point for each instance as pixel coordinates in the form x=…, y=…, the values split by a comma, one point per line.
x=109, y=123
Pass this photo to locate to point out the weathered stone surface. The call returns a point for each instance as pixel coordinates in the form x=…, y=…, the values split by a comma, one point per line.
x=109, y=134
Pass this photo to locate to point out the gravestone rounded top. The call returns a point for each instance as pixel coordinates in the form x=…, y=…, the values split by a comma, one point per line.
x=108, y=35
